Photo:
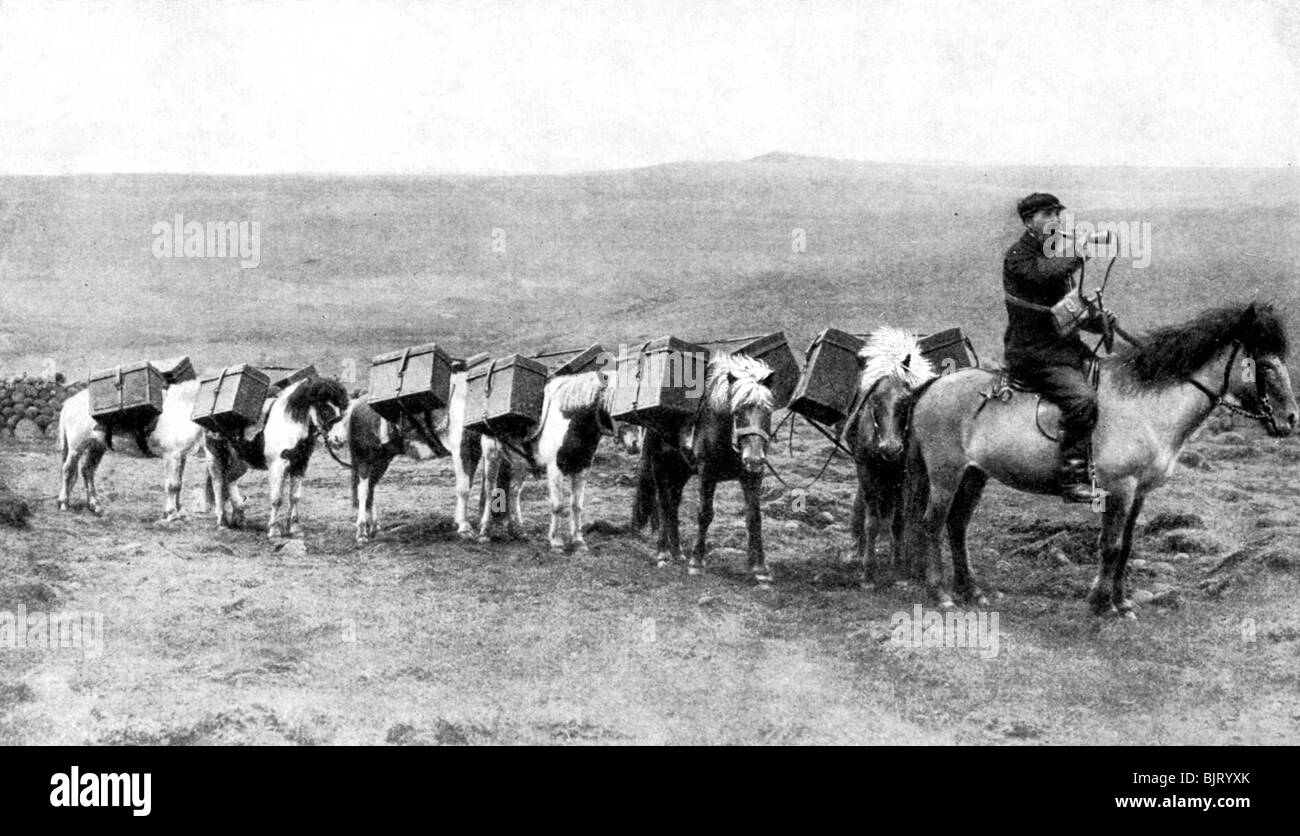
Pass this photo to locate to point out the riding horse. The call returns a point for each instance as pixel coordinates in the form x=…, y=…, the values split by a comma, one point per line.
x=1152, y=396
x=876, y=428
x=293, y=420
x=83, y=442
x=372, y=442
x=575, y=415
x=726, y=440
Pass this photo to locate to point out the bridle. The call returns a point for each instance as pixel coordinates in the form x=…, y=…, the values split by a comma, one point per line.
x=1219, y=398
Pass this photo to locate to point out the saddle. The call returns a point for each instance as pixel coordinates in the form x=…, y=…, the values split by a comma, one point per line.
x=1047, y=416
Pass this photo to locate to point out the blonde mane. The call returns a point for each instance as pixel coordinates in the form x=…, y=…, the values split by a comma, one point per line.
x=749, y=387
x=574, y=393
x=884, y=355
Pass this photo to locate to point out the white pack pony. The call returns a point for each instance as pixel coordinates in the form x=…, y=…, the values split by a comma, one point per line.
x=83, y=441
x=293, y=420
x=372, y=442
x=575, y=415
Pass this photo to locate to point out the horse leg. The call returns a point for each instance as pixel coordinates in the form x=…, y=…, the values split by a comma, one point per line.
x=708, y=487
x=577, y=497
x=515, y=480
x=963, y=506
x=1106, y=597
x=71, y=460
x=555, y=494
x=491, y=493
x=295, y=500
x=858, y=526
x=752, y=485
x=89, y=462
x=277, y=480
x=368, y=507
x=465, y=462
x=933, y=522
x=362, y=495
x=217, y=481
x=668, y=492
x=1122, y=601
x=173, y=471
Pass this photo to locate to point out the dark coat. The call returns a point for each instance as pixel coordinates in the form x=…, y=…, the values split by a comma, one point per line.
x=1030, y=274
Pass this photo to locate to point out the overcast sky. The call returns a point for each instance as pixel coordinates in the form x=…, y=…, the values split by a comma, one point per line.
x=410, y=87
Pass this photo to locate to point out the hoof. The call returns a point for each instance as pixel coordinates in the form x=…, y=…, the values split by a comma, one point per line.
x=466, y=534
x=981, y=600
x=695, y=571
x=96, y=510
x=581, y=548
x=483, y=539
x=362, y=539
x=946, y=604
x=662, y=559
x=557, y=548
x=63, y=506
x=763, y=578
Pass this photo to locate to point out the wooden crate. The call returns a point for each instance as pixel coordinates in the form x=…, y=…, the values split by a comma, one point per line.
x=176, y=369
x=774, y=350
x=284, y=381
x=948, y=350
x=591, y=360
x=659, y=382
x=231, y=400
x=830, y=377
x=504, y=397
x=131, y=393
x=411, y=381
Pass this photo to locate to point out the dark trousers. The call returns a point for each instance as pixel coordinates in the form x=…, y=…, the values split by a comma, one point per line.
x=1068, y=388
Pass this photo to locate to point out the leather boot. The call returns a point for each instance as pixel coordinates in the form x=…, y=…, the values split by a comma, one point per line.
x=1075, y=485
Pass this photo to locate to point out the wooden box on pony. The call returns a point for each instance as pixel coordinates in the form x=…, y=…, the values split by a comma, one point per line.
x=774, y=350
x=504, y=397
x=659, y=382
x=830, y=377
x=591, y=359
x=230, y=400
x=948, y=350
x=128, y=394
x=411, y=381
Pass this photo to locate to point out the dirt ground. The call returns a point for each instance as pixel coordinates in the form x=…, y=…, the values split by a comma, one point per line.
x=213, y=636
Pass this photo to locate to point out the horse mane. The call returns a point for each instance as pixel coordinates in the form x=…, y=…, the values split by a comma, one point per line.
x=315, y=392
x=1174, y=352
x=574, y=393
x=749, y=387
x=893, y=352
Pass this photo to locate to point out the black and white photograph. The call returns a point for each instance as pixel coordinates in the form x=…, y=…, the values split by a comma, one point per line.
x=654, y=373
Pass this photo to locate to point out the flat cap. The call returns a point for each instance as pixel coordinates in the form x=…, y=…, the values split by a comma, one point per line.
x=1037, y=202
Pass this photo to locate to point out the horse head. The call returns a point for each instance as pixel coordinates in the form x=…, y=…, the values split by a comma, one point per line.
x=320, y=403
x=889, y=406
x=628, y=437
x=1263, y=385
x=749, y=400
x=892, y=368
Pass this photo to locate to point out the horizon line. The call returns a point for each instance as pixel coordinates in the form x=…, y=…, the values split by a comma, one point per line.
x=761, y=159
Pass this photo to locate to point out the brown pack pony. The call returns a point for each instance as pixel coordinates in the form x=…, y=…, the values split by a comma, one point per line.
x=876, y=431
x=1151, y=399
x=726, y=441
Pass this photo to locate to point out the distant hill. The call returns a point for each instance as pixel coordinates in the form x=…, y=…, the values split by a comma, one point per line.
x=354, y=265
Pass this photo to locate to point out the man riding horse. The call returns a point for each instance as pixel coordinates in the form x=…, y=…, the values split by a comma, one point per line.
x=1038, y=278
